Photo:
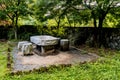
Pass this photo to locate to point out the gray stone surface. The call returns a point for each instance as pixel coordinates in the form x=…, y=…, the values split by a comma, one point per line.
x=27, y=49
x=44, y=40
x=64, y=44
x=73, y=56
x=20, y=44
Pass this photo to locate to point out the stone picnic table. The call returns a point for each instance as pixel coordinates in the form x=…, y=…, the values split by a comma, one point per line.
x=69, y=55
x=45, y=42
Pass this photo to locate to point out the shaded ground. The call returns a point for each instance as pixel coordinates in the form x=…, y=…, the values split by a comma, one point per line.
x=73, y=56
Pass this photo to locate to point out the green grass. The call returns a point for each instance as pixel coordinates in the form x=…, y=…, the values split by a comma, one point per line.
x=106, y=68
x=3, y=60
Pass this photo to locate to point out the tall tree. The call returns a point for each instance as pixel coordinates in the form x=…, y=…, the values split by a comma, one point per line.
x=56, y=9
x=99, y=10
x=13, y=9
x=80, y=10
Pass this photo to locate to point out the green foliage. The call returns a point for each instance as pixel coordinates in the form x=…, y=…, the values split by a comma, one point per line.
x=111, y=21
x=53, y=30
x=10, y=34
x=3, y=61
x=2, y=15
x=27, y=31
x=116, y=16
x=100, y=9
x=11, y=6
x=100, y=70
x=24, y=32
x=13, y=9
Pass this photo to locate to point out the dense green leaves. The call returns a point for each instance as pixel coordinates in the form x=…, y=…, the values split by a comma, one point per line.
x=2, y=15
x=13, y=9
x=101, y=8
x=59, y=9
x=61, y=12
x=13, y=6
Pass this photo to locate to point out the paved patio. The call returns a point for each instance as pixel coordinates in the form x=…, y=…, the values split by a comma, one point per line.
x=73, y=56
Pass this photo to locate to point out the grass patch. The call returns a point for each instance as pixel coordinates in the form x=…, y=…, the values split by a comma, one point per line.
x=3, y=58
x=106, y=68
x=99, y=51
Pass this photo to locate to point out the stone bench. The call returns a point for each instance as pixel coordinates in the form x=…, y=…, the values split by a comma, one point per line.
x=20, y=44
x=64, y=44
x=25, y=47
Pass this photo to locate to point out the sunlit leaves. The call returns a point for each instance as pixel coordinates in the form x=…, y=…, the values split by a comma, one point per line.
x=13, y=6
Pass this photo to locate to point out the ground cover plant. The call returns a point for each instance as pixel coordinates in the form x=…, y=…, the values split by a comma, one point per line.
x=106, y=68
x=3, y=58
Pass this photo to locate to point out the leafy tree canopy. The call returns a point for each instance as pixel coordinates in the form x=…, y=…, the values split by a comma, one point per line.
x=13, y=9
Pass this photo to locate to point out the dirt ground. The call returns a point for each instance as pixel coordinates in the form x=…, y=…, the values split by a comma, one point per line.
x=73, y=56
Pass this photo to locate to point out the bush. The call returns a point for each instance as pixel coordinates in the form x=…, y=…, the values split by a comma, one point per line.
x=25, y=31
x=4, y=32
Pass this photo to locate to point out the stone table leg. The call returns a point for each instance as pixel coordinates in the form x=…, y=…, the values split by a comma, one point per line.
x=42, y=50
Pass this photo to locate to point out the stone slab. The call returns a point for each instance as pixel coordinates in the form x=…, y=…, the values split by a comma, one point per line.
x=44, y=40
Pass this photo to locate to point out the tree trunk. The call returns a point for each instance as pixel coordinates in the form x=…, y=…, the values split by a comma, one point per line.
x=16, y=26
x=95, y=31
x=100, y=32
x=16, y=22
x=100, y=22
x=94, y=19
x=15, y=35
x=58, y=23
x=95, y=37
